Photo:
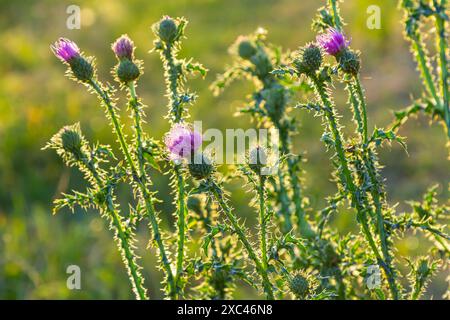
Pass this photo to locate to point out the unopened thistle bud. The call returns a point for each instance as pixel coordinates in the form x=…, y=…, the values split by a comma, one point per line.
x=68, y=52
x=257, y=159
x=349, y=62
x=310, y=60
x=246, y=49
x=299, y=286
x=71, y=140
x=127, y=71
x=167, y=29
x=123, y=48
x=201, y=167
x=262, y=63
x=303, y=285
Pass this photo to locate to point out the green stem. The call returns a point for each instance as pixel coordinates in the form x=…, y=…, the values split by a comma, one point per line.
x=424, y=67
x=142, y=188
x=135, y=105
x=242, y=237
x=262, y=222
x=137, y=282
x=172, y=75
x=356, y=109
x=336, y=17
x=442, y=44
x=350, y=186
x=362, y=101
x=181, y=223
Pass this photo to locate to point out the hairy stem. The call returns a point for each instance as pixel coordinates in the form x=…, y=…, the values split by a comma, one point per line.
x=121, y=237
x=442, y=45
x=142, y=188
x=336, y=16
x=350, y=186
x=237, y=228
x=262, y=222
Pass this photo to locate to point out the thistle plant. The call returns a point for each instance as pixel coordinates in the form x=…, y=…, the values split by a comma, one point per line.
x=293, y=252
x=421, y=19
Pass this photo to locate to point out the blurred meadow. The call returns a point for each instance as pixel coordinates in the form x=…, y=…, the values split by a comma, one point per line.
x=36, y=100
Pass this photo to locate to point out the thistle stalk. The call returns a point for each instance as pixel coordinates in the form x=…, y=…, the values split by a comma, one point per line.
x=442, y=46
x=172, y=76
x=374, y=190
x=262, y=222
x=142, y=188
x=121, y=237
x=238, y=229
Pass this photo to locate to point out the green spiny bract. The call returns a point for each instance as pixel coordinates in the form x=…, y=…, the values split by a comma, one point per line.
x=82, y=69
x=167, y=29
x=302, y=285
x=127, y=71
x=309, y=60
x=200, y=167
x=349, y=62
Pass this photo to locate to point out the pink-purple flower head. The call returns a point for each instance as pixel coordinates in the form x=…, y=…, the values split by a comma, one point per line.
x=333, y=42
x=123, y=47
x=181, y=141
x=65, y=49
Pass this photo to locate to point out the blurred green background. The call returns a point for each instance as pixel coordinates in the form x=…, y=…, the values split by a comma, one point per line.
x=36, y=100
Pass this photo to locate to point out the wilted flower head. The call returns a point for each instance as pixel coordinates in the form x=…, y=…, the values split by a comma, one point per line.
x=65, y=49
x=123, y=47
x=333, y=42
x=181, y=141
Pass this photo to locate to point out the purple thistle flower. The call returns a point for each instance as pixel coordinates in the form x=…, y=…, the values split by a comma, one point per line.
x=181, y=141
x=65, y=49
x=123, y=47
x=333, y=42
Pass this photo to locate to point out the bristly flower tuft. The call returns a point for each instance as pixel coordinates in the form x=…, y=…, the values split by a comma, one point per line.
x=182, y=142
x=65, y=49
x=333, y=42
x=123, y=48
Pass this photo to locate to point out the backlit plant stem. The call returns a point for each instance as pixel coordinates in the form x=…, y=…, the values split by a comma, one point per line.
x=442, y=44
x=349, y=184
x=336, y=16
x=262, y=222
x=243, y=238
x=374, y=190
x=121, y=237
x=424, y=68
x=176, y=115
x=142, y=188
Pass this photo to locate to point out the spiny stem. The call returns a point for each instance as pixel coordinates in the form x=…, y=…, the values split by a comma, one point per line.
x=374, y=190
x=356, y=109
x=172, y=75
x=262, y=222
x=442, y=44
x=336, y=17
x=134, y=102
x=243, y=238
x=181, y=223
x=136, y=279
x=424, y=68
x=142, y=188
x=362, y=101
x=348, y=177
